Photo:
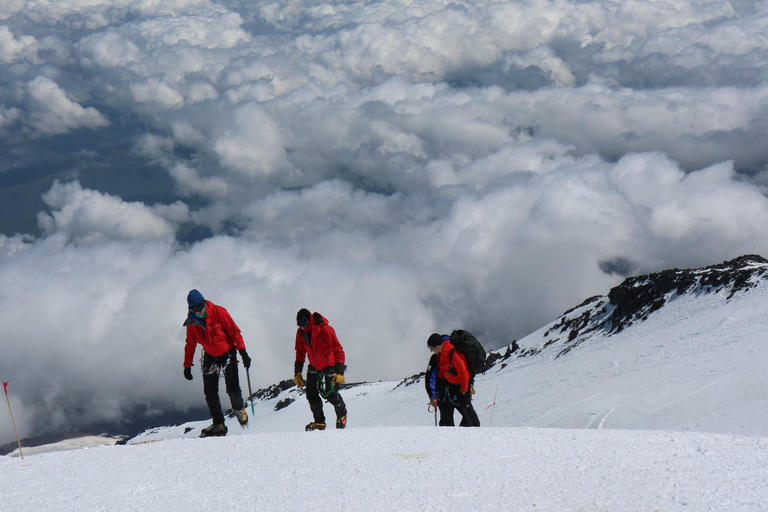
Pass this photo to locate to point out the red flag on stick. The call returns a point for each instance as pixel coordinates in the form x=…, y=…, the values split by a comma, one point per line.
x=5, y=388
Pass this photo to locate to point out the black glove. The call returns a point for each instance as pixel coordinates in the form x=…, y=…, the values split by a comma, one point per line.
x=246, y=358
x=188, y=372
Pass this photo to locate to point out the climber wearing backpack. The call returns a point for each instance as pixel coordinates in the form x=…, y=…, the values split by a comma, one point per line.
x=458, y=377
x=317, y=341
x=437, y=392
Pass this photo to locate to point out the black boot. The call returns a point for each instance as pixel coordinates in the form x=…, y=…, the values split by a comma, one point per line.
x=215, y=430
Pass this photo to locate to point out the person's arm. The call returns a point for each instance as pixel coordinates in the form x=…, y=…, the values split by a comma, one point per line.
x=230, y=328
x=301, y=352
x=335, y=347
x=189, y=348
x=431, y=381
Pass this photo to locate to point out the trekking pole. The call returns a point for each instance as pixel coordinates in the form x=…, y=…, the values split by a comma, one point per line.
x=5, y=387
x=250, y=393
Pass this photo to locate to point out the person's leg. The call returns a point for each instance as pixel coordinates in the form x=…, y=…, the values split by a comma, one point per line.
x=468, y=415
x=232, y=381
x=211, y=388
x=334, y=398
x=446, y=414
x=313, y=396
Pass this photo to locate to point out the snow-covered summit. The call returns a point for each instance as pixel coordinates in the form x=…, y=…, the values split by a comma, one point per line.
x=634, y=300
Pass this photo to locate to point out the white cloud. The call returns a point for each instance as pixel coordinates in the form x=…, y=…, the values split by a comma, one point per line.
x=190, y=182
x=8, y=116
x=252, y=143
x=157, y=94
x=53, y=112
x=108, y=50
x=90, y=217
x=213, y=28
x=11, y=48
x=12, y=246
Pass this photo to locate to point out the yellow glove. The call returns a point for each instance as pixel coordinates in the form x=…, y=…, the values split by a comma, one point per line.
x=298, y=380
x=338, y=379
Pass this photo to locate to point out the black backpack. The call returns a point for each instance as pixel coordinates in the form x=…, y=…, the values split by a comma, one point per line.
x=468, y=345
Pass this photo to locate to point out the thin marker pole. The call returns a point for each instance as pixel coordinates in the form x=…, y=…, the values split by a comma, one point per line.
x=5, y=388
x=490, y=424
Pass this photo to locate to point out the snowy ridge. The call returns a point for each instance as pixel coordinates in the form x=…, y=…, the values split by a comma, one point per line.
x=637, y=298
x=675, y=350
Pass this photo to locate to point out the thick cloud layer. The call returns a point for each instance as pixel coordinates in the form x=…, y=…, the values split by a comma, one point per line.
x=403, y=167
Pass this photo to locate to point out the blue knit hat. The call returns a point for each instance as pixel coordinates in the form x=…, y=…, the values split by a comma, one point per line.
x=195, y=298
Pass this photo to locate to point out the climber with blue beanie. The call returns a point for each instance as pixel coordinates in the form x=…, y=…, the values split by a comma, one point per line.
x=211, y=327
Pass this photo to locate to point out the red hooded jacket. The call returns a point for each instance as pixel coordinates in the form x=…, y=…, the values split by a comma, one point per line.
x=217, y=333
x=319, y=343
x=453, y=367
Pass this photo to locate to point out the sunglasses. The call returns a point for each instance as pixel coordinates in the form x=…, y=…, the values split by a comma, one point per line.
x=198, y=308
x=303, y=322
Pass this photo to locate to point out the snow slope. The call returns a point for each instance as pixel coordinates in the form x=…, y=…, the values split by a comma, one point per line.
x=401, y=469
x=670, y=413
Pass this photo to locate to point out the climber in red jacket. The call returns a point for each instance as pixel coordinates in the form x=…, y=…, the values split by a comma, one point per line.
x=211, y=326
x=317, y=341
x=453, y=368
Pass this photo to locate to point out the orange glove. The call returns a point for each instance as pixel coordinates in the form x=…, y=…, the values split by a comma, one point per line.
x=298, y=380
x=338, y=379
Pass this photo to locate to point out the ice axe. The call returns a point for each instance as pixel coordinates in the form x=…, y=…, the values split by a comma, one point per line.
x=430, y=408
x=250, y=393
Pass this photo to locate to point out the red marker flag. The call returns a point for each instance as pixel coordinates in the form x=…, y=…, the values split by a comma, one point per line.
x=5, y=388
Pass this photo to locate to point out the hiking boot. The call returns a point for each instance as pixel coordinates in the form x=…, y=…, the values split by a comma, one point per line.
x=215, y=430
x=341, y=422
x=315, y=426
x=242, y=417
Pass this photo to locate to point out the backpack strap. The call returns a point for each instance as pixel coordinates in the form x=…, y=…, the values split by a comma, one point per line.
x=452, y=370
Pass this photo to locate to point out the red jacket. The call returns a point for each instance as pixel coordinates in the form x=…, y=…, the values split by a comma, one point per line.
x=319, y=343
x=217, y=333
x=453, y=368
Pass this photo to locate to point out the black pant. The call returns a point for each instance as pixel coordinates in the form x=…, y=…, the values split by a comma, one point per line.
x=331, y=393
x=468, y=415
x=211, y=367
x=446, y=413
